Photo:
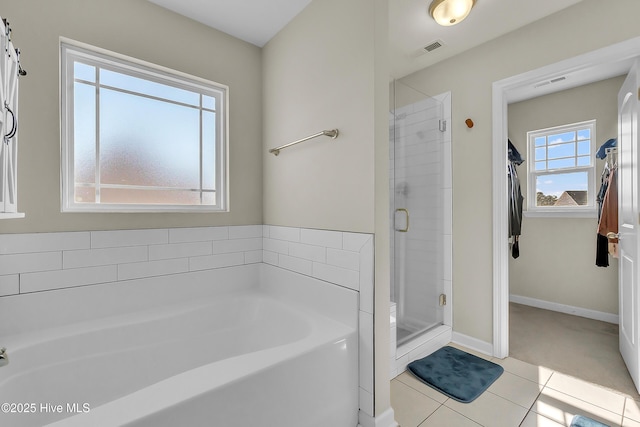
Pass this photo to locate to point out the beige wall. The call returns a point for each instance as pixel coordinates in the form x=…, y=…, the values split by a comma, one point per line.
x=469, y=76
x=557, y=255
x=319, y=74
x=143, y=30
x=327, y=69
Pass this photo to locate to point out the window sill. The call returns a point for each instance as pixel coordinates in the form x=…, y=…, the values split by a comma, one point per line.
x=561, y=213
x=143, y=209
x=13, y=215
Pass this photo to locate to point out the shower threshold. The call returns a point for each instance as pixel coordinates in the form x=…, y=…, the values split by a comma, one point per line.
x=418, y=345
x=406, y=335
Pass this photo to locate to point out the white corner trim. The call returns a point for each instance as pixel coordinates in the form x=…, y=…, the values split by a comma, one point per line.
x=567, y=309
x=500, y=347
x=473, y=343
x=386, y=419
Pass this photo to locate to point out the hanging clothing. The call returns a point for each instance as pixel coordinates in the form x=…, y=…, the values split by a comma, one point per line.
x=602, y=252
x=602, y=151
x=604, y=185
x=609, y=215
x=515, y=199
x=513, y=154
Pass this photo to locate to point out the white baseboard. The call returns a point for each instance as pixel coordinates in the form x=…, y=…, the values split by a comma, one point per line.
x=567, y=309
x=473, y=343
x=386, y=419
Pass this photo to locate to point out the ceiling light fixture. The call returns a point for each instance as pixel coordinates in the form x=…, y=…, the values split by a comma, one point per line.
x=450, y=12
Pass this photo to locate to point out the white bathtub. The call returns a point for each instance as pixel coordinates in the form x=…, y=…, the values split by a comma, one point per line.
x=270, y=354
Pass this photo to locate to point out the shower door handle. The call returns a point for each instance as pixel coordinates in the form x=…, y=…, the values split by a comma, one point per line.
x=406, y=227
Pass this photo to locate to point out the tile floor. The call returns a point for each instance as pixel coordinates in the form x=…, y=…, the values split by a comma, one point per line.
x=525, y=395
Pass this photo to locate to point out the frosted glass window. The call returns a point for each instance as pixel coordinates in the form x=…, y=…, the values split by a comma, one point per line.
x=138, y=138
x=561, y=174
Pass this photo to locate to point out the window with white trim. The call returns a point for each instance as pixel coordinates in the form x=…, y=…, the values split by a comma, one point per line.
x=561, y=169
x=139, y=137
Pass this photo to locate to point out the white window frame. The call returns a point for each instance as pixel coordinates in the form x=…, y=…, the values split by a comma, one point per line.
x=71, y=51
x=586, y=211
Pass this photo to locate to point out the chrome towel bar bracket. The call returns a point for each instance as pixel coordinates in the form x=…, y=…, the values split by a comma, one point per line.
x=333, y=134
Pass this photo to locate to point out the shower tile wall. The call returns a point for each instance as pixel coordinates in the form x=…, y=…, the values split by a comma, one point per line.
x=416, y=183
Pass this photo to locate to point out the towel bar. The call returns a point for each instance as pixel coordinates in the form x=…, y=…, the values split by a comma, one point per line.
x=330, y=133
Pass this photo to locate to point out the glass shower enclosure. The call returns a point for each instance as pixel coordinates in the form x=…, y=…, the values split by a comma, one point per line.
x=416, y=210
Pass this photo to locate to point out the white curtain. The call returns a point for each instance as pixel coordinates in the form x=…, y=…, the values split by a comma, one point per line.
x=9, y=67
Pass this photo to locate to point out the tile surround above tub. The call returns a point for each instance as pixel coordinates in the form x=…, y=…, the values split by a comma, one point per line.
x=343, y=258
x=45, y=261
x=339, y=257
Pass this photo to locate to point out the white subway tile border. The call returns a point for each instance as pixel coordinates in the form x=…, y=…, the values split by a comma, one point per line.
x=245, y=231
x=9, y=285
x=43, y=242
x=308, y=252
x=105, y=256
x=208, y=262
x=30, y=262
x=342, y=258
x=179, y=250
x=197, y=234
x=36, y=262
x=290, y=234
x=329, y=239
x=163, y=267
x=58, y=279
x=298, y=265
x=119, y=238
x=237, y=245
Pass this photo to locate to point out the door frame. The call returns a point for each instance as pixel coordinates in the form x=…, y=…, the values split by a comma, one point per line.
x=516, y=88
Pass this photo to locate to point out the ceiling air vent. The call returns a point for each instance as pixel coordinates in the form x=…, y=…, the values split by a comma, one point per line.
x=433, y=46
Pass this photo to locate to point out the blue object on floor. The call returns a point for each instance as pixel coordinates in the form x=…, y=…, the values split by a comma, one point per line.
x=581, y=421
x=458, y=374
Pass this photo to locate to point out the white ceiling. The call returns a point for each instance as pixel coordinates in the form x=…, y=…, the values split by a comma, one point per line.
x=410, y=27
x=254, y=21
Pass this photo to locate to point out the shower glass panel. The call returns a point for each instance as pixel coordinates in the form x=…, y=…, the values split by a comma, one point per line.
x=417, y=214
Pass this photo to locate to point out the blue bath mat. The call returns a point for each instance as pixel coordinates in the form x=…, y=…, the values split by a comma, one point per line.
x=581, y=421
x=458, y=374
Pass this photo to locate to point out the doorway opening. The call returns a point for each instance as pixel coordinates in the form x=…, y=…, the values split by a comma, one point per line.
x=595, y=66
